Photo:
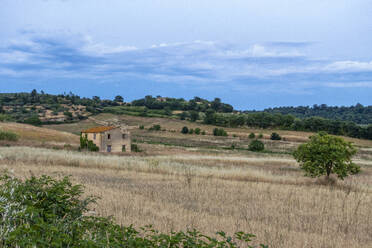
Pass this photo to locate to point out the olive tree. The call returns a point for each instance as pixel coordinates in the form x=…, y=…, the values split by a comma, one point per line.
x=325, y=154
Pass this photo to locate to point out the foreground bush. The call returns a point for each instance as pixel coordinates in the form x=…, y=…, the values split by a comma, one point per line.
x=44, y=212
x=9, y=136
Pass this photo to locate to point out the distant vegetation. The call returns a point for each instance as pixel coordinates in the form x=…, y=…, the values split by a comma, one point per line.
x=9, y=136
x=275, y=136
x=289, y=122
x=256, y=146
x=41, y=108
x=86, y=144
x=219, y=132
x=359, y=114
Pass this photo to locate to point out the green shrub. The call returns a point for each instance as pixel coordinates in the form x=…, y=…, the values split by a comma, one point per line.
x=260, y=136
x=87, y=144
x=185, y=130
x=275, y=136
x=203, y=133
x=155, y=128
x=252, y=136
x=197, y=131
x=33, y=120
x=142, y=127
x=68, y=114
x=8, y=135
x=256, y=146
x=219, y=132
x=4, y=117
x=135, y=148
x=45, y=212
x=191, y=131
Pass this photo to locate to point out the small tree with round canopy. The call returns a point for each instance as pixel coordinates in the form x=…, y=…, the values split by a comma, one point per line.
x=326, y=154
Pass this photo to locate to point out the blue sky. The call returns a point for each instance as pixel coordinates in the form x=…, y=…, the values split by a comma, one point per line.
x=252, y=54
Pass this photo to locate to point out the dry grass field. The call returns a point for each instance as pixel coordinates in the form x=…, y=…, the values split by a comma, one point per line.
x=258, y=193
x=182, y=181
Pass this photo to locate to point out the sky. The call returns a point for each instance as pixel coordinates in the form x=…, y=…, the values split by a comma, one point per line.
x=253, y=54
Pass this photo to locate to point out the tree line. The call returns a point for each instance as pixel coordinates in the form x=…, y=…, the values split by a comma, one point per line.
x=289, y=122
x=359, y=114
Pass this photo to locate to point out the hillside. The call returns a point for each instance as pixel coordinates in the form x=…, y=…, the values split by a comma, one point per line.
x=40, y=108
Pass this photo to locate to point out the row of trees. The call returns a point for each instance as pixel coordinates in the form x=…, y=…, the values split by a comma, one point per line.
x=359, y=114
x=196, y=104
x=289, y=122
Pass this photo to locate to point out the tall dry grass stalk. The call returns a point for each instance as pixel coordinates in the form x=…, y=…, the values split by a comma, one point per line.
x=264, y=195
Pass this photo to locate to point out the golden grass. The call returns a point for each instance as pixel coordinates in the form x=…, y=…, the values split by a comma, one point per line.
x=29, y=133
x=257, y=193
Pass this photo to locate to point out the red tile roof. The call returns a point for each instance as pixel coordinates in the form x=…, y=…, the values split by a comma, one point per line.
x=98, y=129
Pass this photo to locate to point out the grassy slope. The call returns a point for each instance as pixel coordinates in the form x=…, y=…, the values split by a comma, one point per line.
x=35, y=136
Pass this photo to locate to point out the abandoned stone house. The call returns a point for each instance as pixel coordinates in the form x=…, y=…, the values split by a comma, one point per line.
x=109, y=138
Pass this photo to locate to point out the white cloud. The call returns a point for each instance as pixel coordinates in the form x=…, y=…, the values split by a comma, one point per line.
x=349, y=66
x=350, y=85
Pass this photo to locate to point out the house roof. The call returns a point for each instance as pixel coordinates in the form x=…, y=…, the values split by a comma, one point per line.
x=98, y=129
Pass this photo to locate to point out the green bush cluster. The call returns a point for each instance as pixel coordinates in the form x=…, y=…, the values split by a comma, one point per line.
x=8, y=135
x=219, y=132
x=87, y=144
x=155, y=128
x=275, y=136
x=256, y=146
x=197, y=131
x=4, y=117
x=135, y=148
x=45, y=212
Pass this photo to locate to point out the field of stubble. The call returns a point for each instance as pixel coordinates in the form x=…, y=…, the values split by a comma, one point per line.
x=258, y=193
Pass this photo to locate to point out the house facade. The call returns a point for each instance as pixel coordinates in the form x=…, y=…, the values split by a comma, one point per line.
x=109, y=138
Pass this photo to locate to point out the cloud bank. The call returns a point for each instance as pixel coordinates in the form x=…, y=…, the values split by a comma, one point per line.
x=276, y=66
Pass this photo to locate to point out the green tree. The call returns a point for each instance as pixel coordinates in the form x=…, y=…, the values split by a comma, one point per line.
x=252, y=136
x=118, y=99
x=194, y=116
x=325, y=154
x=185, y=130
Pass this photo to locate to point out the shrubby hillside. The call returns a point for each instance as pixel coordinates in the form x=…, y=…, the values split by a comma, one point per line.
x=41, y=108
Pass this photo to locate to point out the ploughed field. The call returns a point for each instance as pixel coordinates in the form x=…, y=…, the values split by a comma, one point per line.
x=182, y=182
